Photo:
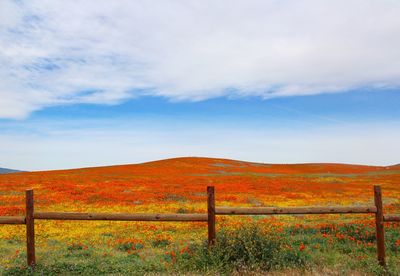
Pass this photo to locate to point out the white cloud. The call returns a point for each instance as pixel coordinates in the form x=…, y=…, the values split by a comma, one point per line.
x=60, y=52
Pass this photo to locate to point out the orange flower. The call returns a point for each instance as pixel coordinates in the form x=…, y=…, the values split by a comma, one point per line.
x=302, y=246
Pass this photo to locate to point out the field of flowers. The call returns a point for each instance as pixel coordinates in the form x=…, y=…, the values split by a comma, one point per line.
x=179, y=186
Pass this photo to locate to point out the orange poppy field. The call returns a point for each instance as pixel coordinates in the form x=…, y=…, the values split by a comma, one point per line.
x=179, y=186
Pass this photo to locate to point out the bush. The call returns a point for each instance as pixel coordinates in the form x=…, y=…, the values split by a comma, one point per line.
x=78, y=250
x=249, y=248
x=161, y=243
x=129, y=246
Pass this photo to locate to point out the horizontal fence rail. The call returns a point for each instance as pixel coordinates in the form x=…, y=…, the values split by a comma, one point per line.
x=12, y=220
x=208, y=217
x=294, y=210
x=391, y=218
x=119, y=216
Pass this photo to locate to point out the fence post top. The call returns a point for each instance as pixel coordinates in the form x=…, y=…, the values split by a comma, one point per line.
x=377, y=187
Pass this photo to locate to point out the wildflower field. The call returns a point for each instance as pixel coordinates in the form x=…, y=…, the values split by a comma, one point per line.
x=314, y=244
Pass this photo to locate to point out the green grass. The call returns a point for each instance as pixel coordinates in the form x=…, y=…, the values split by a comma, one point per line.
x=338, y=249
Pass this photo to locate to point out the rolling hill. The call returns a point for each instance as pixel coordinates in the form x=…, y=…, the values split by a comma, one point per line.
x=184, y=180
x=179, y=186
x=4, y=170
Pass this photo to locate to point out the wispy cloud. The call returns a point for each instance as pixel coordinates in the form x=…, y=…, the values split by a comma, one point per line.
x=63, y=52
x=71, y=144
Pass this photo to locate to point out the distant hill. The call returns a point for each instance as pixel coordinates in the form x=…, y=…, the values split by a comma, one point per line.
x=173, y=182
x=4, y=170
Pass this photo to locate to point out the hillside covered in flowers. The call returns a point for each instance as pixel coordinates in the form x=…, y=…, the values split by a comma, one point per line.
x=179, y=186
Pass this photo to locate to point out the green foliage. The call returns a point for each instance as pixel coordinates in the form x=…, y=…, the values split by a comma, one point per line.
x=75, y=246
x=248, y=248
x=161, y=243
x=78, y=250
x=126, y=246
x=327, y=250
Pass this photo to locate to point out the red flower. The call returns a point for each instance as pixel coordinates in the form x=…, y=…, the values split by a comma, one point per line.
x=302, y=247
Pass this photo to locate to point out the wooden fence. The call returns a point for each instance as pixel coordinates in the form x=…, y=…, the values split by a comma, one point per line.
x=212, y=211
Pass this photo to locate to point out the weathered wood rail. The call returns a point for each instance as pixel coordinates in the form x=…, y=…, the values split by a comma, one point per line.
x=209, y=217
x=294, y=210
x=391, y=218
x=12, y=220
x=119, y=216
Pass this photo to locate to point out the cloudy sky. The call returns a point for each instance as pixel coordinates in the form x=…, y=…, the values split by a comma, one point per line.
x=87, y=83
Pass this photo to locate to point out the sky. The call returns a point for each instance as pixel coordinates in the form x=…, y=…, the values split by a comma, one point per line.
x=91, y=83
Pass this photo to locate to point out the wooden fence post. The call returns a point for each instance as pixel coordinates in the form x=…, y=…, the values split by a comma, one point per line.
x=380, y=232
x=30, y=229
x=211, y=215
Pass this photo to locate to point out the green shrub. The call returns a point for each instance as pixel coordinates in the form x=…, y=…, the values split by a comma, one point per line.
x=160, y=243
x=247, y=248
x=75, y=246
x=126, y=246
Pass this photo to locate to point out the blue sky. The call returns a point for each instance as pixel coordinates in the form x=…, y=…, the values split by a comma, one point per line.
x=130, y=81
x=354, y=127
x=349, y=107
